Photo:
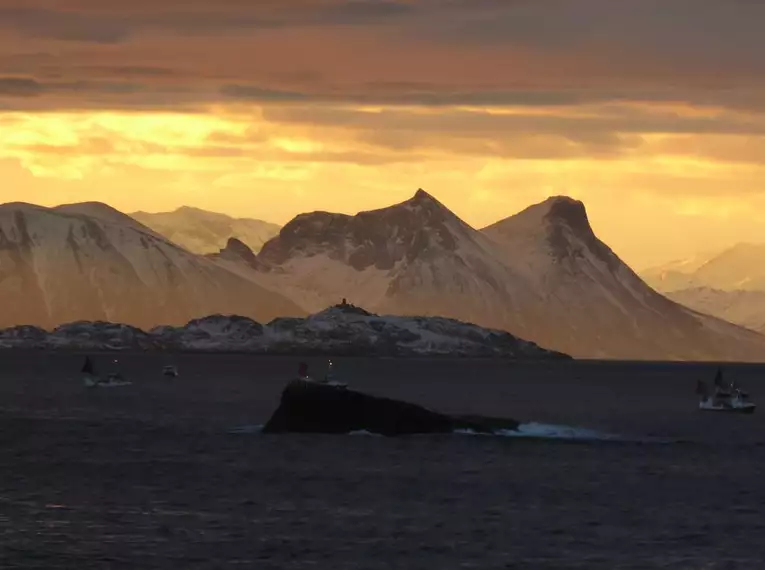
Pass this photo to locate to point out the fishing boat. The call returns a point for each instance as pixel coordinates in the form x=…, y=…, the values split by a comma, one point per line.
x=170, y=371
x=91, y=379
x=329, y=377
x=723, y=397
x=328, y=380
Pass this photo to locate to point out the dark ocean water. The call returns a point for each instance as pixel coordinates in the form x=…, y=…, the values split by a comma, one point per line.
x=171, y=473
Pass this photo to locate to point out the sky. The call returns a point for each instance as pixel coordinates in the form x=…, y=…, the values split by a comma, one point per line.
x=650, y=111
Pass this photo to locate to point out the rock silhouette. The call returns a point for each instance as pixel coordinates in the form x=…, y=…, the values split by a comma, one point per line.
x=311, y=407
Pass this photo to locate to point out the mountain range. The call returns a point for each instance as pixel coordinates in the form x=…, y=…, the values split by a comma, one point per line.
x=203, y=232
x=543, y=275
x=91, y=262
x=729, y=284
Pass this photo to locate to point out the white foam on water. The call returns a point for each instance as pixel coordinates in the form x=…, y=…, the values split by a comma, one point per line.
x=364, y=432
x=552, y=431
x=549, y=431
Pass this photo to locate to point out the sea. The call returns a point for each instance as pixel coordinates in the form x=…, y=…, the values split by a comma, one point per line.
x=614, y=467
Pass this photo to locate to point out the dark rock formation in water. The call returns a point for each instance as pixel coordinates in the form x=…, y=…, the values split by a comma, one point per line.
x=308, y=407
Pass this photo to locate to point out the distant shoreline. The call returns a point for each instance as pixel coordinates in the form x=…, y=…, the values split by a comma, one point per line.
x=278, y=354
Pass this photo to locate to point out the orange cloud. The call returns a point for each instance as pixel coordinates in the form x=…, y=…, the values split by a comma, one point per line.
x=271, y=108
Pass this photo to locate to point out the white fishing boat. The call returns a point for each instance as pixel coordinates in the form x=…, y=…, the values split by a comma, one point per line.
x=93, y=380
x=170, y=371
x=723, y=397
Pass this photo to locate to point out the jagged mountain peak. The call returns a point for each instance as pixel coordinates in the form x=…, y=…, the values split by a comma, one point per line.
x=423, y=198
x=240, y=254
x=410, y=210
x=237, y=250
x=421, y=208
x=237, y=246
x=417, y=227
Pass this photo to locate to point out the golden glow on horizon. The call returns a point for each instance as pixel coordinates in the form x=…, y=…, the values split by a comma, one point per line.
x=651, y=202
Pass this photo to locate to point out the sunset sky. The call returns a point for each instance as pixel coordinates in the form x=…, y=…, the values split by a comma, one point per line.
x=650, y=111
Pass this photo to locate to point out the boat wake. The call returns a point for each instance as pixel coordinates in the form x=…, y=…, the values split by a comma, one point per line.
x=539, y=431
x=536, y=430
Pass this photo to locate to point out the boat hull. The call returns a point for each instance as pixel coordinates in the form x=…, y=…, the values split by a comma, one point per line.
x=748, y=409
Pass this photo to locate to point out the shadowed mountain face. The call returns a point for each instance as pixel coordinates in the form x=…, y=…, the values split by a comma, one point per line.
x=541, y=274
x=91, y=262
x=204, y=232
x=420, y=227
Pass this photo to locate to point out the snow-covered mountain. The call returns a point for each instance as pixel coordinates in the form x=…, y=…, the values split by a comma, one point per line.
x=591, y=303
x=541, y=274
x=341, y=329
x=729, y=285
x=669, y=276
x=745, y=308
x=737, y=268
x=91, y=262
x=414, y=258
x=204, y=232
